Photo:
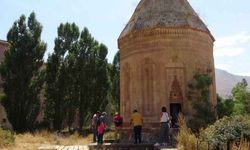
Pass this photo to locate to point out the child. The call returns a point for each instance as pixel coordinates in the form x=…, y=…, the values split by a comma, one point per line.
x=100, y=129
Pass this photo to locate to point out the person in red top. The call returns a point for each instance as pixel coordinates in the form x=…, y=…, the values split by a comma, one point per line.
x=118, y=121
x=100, y=129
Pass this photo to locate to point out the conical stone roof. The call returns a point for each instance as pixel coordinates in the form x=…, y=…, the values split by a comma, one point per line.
x=164, y=13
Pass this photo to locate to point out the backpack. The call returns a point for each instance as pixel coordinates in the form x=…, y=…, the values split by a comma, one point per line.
x=118, y=121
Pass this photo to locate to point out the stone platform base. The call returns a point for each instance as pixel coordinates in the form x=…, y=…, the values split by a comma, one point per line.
x=106, y=146
x=149, y=135
x=122, y=147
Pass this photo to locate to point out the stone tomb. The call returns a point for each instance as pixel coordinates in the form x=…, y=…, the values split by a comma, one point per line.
x=162, y=47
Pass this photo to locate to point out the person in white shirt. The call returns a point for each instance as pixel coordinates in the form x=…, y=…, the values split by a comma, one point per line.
x=164, y=131
x=95, y=120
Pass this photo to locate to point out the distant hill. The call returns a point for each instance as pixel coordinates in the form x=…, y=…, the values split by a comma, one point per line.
x=225, y=81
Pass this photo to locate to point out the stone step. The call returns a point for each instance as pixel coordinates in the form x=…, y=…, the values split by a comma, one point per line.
x=57, y=147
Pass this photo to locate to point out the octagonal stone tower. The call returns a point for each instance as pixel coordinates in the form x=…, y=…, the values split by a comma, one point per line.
x=162, y=47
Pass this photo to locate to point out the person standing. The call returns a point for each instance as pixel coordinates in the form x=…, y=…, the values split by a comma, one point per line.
x=118, y=121
x=100, y=130
x=103, y=117
x=136, y=121
x=164, y=131
x=95, y=120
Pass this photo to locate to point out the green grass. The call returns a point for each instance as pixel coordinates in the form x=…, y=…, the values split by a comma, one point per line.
x=7, y=138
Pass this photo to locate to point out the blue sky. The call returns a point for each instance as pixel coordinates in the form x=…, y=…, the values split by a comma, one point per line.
x=228, y=20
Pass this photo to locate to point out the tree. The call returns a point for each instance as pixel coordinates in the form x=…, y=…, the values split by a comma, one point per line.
x=20, y=72
x=241, y=98
x=76, y=77
x=58, y=86
x=100, y=78
x=115, y=81
x=204, y=111
x=225, y=107
x=93, y=73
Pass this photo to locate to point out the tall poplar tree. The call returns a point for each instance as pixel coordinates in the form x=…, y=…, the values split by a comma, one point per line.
x=93, y=76
x=72, y=77
x=76, y=77
x=20, y=72
x=58, y=97
x=115, y=80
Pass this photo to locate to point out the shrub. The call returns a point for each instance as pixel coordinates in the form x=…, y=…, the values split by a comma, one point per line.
x=6, y=138
x=227, y=130
x=2, y=96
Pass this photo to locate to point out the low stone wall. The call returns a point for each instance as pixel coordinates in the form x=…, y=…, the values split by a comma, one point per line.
x=122, y=147
x=149, y=136
x=105, y=147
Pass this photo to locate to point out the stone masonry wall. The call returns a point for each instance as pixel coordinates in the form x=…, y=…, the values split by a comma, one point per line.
x=156, y=61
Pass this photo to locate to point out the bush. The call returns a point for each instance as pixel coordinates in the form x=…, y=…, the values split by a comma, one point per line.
x=227, y=131
x=2, y=96
x=6, y=138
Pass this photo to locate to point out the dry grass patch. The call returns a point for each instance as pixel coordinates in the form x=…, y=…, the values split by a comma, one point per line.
x=7, y=138
x=29, y=141
x=186, y=139
x=75, y=139
x=243, y=145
